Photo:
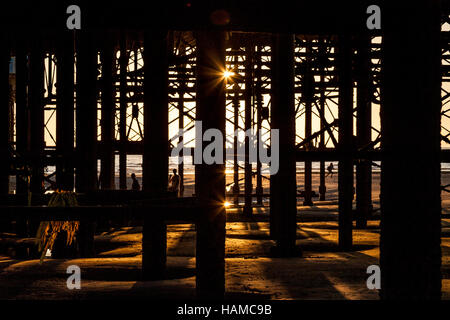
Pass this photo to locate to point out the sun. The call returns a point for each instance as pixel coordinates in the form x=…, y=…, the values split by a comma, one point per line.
x=228, y=74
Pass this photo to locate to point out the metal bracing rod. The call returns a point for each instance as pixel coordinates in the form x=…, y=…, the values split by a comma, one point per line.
x=317, y=134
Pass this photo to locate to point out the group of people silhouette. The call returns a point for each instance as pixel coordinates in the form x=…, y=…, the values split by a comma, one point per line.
x=174, y=182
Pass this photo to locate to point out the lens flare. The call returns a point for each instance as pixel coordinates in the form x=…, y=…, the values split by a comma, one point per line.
x=228, y=74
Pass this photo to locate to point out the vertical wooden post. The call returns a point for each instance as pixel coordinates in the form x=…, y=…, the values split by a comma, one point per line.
x=108, y=114
x=65, y=112
x=123, y=62
x=249, y=52
x=283, y=188
x=345, y=174
x=22, y=116
x=210, y=259
x=363, y=127
x=181, y=92
x=156, y=134
x=410, y=245
x=322, y=183
x=4, y=115
x=35, y=98
x=156, y=137
x=86, y=133
x=236, y=188
x=259, y=105
x=308, y=96
x=86, y=114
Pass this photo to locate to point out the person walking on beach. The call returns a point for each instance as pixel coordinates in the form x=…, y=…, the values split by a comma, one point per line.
x=330, y=170
x=174, y=182
x=135, y=186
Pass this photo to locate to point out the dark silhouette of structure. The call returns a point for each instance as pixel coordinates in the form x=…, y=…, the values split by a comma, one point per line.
x=323, y=50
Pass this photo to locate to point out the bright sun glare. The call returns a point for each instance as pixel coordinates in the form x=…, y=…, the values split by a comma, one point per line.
x=227, y=74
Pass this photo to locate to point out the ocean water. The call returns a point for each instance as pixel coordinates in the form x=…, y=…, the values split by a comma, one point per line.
x=134, y=165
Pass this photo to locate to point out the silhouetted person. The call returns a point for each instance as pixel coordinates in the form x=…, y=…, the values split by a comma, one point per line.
x=135, y=186
x=330, y=170
x=174, y=182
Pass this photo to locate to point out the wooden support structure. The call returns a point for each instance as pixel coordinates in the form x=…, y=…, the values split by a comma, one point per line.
x=410, y=250
x=86, y=130
x=283, y=190
x=345, y=169
x=86, y=113
x=22, y=113
x=259, y=119
x=248, y=96
x=155, y=163
x=107, y=55
x=123, y=66
x=65, y=112
x=210, y=179
x=363, y=130
x=322, y=184
x=4, y=114
x=411, y=58
x=36, y=105
x=22, y=130
x=181, y=92
x=308, y=96
x=236, y=105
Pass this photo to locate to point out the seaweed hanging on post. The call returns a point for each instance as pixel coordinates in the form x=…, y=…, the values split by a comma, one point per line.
x=48, y=230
